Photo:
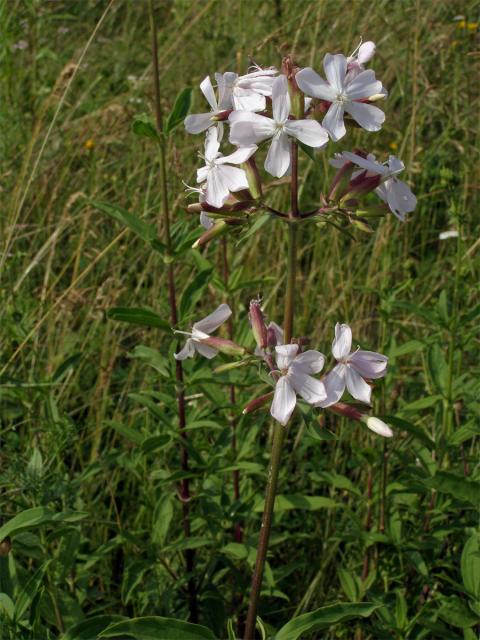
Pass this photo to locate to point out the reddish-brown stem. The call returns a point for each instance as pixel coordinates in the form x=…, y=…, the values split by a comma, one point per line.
x=184, y=488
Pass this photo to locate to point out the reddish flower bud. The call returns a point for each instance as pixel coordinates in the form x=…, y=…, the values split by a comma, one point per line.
x=257, y=321
x=255, y=404
x=224, y=345
x=297, y=99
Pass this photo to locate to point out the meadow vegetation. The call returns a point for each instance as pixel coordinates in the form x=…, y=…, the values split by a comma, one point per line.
x=91, y=527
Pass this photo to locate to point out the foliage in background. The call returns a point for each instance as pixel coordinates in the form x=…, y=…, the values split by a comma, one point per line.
x=89, y=459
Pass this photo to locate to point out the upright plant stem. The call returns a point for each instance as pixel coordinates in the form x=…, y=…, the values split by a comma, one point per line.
x=165, y=212
x=279, y=431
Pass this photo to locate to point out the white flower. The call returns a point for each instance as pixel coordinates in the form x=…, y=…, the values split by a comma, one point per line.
x=352, y=369
x=378, y=426
x=201, y=330
x=391, y=190
x=446, y=235
x=296, y=378
x=249, y=128
x=246, y=93
x=343, y=95
x=221, y=178
x=198, y=122
x=205, y=220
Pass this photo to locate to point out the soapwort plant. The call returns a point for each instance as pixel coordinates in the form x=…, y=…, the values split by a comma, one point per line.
x=280, y=111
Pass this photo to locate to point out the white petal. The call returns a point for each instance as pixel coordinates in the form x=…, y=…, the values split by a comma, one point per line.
x=365, y=163
x=333, y=121
x=369, y=364
x=214, y=320
x=285, y=353
x=399, y=197
x=311, y=389
x=284, y=401
x=212, y=144
x=202, y=174
x=310, y=132
x=363, y=86
x=242, y=154
x=335, y=69
x=334, y=386
x=249, y=128
x=248, y=100
x=280, y=99
x=356, y=385
x=312, y=84
x=378, y=426
x=342, y=343
x=225, y=82
x=205, y=221
x=233, y=177
x=369, y=117
x=188, y=351
x=277, y=330
x=207, y=90
x=277, y=161
x=395, y=165
x=308, y=362
x=217, y=190
x=205, y=350
x=337, y=161
x=198, y=122
x=366, y=52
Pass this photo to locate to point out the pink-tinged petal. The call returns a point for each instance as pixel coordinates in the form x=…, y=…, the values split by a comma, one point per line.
x=333, y=121
x=342, y=342
x=379, y=427
x=234, y=178
x=188, y=351
x=202, y=174
x=363, y=86
x=285, y=353
x=356, y=385
x=198, y=122
x=365, y=163
x=368, y=117
x=205, y=221
x=312, y=84
x=369, y=364
x=277, y=332
x=217, y=190
x=240, y=155
x=280, y=99
x=334, y=386
x=310, y=132
x=308, y=362
x=366, y=51
x=249, y=128
x=212, y=144
x=225, y=83
x=205, y=350
x=207, y=90
x=248, y=100
x=337, y=161
x=284, y=401
x=277, y=162
x=395, y=165
x=310, y=389
x=335, y=69
x=214, y=320
x=398, y=196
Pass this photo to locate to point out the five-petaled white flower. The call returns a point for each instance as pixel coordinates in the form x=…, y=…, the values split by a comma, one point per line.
x=296, y=378
x=249, y=128
x=221, y=178
x=344, y=95
x=391, y=190
x=246, y=93
x=202, y=330
x=351, y=369
x=198, y=122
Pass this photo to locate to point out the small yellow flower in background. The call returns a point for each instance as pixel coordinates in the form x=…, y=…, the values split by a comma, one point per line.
x=461, y=24
x=89, y=144
x=393, y=146
x=454, y=44
x=472, y=26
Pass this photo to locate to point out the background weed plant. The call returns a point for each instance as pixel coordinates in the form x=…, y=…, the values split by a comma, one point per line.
x=90, y=521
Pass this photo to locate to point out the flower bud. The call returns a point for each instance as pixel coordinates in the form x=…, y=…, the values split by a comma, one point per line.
x=221, y=115
x=224, y=346
x=361, y=185
x=257, y=321
x=377, y=426
x=194, y=207
x=297, y=99
x=347, y=410
x=361, y=224
x=255, y=404
x=272, y=339
x=253, y=177
x=218, y=229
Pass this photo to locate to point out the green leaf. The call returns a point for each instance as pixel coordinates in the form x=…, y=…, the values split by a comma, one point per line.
x=470, y=565
x=36, y=517
x=309, y=151
x=162, y=517
x=324, y=618
x=179, y=111
x=29, y=591
x=138, y=316
x=469, y=430
x=456, y=612
x=256, y=226
x=348, y=584
x=438, y=368
x=90, y=628
x=127, y=432
x=154, y=628
x=412, y=429
x=7, y=608
x=422, y=403
x=142, y=229
x=308, y=503
x=143, y=126
x=193, y=291
x=407, y=347
x=456, y=486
